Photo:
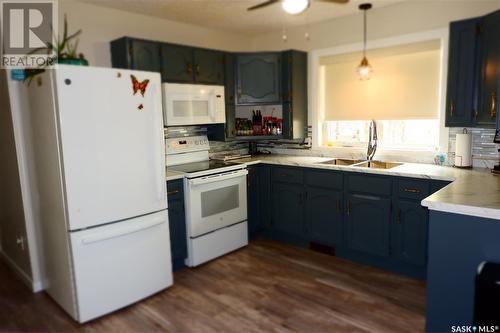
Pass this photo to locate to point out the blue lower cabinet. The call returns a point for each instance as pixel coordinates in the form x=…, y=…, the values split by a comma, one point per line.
x=288, y=208
x=177, y=223
x=253, y=201
x=323, y=215
x=409, y=232
x=367, y=224
x=458, y=246
x=375, y=220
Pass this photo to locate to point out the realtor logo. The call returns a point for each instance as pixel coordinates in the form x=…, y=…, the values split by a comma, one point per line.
x=27, y=32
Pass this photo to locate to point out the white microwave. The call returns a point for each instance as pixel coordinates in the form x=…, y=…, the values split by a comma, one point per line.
x=193, y=104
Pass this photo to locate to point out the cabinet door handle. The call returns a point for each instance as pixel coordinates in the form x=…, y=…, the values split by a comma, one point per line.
x=189, y=68
x=172, y=192
x=493, y=111
x=398, y=216
x=198, y=69
x=339, y=209
x=349, y=206
x=411, y=190
x=452, y=108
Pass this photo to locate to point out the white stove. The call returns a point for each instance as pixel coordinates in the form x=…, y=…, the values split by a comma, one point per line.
x=215, y=194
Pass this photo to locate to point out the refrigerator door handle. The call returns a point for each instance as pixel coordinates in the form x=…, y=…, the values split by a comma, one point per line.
x=97, y=237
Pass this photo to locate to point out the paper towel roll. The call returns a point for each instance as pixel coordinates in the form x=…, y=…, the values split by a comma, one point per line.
x=463, y=150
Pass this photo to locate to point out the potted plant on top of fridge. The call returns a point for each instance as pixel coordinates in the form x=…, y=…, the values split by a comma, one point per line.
x=65, y=52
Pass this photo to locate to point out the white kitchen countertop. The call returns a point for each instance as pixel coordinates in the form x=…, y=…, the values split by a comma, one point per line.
x=173, y=175
x=474, y=192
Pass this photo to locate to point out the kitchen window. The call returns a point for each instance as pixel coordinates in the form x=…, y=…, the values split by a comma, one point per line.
x=402, y=96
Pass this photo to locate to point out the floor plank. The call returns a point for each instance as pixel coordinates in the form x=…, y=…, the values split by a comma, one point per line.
x=267, y=286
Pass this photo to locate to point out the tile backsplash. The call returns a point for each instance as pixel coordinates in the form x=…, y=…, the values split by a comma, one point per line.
x=484, y=151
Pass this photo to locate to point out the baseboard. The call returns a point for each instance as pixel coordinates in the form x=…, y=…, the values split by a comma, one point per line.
x=35, y=286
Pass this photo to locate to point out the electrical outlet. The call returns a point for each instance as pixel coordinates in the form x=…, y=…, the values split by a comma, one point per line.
x=20, y=242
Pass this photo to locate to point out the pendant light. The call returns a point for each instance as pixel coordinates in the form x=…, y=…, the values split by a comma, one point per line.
x=364, y=69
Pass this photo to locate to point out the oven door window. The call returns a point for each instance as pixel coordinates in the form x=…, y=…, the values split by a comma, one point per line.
x=212, y=205
x=219, y=200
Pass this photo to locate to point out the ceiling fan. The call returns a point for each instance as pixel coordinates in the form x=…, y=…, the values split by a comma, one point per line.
x=293, y=6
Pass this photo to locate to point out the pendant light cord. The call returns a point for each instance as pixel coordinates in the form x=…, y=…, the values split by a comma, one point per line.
x=364, y=33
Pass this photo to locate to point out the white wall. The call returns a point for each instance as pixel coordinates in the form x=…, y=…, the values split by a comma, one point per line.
x=11, y=204
x=101, y=25
x=399, y=19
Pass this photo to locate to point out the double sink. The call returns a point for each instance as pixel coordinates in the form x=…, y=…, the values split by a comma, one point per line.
x=361, y=163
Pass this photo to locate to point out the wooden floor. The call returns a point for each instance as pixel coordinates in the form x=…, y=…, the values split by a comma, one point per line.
x=266, y=287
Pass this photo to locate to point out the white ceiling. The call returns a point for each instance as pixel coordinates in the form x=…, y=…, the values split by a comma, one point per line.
x=231, y=15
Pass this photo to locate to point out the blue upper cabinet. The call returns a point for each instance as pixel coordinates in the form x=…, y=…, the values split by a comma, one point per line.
x=208, y=66
x=258, y=78
x=177, y=63
x=461, y=100
x=136, y=54
x=184, y=64
x=294, y=93
x=474, y=72
x=489, y=69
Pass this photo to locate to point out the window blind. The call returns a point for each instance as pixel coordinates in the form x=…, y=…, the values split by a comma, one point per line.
x=404, y=84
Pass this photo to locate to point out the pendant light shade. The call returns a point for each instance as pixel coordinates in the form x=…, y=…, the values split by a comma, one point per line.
x=364, y=69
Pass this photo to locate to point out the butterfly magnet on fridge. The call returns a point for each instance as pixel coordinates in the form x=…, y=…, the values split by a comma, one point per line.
x=139, y=87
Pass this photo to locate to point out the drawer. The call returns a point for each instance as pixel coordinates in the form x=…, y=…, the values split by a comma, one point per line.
x=369, y=184
x=413, y=189
x=175, y=189
x=327, y=179
x=287, y=175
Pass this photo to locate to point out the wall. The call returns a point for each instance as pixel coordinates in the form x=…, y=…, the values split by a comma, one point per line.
x=101, y=25
x=11, y=204
x=398, y=19
x=406, y=18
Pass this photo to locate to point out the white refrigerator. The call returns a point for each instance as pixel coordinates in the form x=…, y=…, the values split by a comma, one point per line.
x=100, y=165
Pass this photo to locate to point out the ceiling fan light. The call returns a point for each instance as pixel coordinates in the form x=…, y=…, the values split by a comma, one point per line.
x=295, y=6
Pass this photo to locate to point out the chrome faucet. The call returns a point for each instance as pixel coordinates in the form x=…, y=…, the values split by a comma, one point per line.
x=372, y=141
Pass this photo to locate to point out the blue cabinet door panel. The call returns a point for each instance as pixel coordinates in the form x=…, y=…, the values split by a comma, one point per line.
x=410, y=232
x=323, y=219
x=367, y=224
x=258, y=78
x=461, y=100
x=177, y=63
x=287, y=207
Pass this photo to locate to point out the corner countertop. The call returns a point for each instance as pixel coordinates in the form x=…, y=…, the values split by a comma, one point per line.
x=173, y=175
x=474, y=192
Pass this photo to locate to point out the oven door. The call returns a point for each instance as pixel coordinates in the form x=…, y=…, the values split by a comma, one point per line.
x=215, y=201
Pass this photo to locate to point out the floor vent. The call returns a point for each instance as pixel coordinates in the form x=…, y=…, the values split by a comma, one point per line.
x=325, y=249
